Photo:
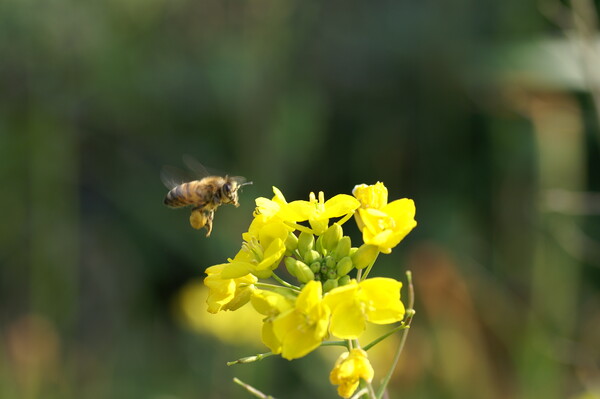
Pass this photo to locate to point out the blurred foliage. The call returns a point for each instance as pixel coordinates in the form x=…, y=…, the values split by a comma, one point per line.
x=95, y=97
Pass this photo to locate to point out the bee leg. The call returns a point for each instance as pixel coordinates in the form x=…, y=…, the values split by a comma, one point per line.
x=209, y=216
x=197, y=219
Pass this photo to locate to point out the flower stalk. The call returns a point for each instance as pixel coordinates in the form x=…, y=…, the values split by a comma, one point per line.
x=408, y=321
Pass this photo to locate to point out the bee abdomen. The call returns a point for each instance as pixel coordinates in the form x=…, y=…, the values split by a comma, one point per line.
x=182, y=195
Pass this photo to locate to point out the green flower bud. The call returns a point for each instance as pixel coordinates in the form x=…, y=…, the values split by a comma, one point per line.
x=315, y=267
x=352, y=251
x=344, y=280
x=330, y=262
x=329, y=285
x=311, y=256
x=306, y=242
x=319, y=246
x=332, y=236
x=365, y=255
x=344, y=266
x=343, y=248
x=304, y=273
x=290, y=265
x=332, y=274
x=291, y=242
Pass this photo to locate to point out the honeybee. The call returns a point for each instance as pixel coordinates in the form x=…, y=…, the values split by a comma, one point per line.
x=205, y=195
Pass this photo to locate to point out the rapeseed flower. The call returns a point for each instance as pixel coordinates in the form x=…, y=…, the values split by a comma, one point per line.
x=349, y=369
x=316, y=211
x=373, y=196
x=333, y=294
x=376, y=300
x=302, y=328
x=270, y=304
x=383, y=224
x=262, y=250
x=227, y=293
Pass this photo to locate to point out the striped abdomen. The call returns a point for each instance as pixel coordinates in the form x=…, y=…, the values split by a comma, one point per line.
x=185, y=194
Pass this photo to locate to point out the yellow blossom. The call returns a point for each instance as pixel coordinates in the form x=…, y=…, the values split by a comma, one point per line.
x=270, y=304
x=262, y=250
x=373, y=196
x=376, y=300
x=387, y=226
x=383, y=225
x=227, y=293
x=349, y=369
x=302, y=328
x=316, y=211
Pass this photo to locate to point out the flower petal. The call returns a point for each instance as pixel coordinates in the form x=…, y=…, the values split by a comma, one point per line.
x=340, y=205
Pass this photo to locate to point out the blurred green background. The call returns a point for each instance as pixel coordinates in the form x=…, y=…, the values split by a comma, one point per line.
x=483, y=112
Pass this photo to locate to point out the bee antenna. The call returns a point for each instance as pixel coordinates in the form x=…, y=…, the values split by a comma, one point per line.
x=245, y=184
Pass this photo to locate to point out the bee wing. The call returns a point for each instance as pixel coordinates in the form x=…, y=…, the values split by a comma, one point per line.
x=196, y=167
x=172, y=176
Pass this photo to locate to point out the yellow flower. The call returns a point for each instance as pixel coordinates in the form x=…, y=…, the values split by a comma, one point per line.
x=376, y=300
x=227, y=293
x=262, y=250
x=349, y=369
x=268, y=207
x=383, y=225
x=302, y=328
x=316, y=211
x=270, y=304
x=387, y=226
x=373, y=196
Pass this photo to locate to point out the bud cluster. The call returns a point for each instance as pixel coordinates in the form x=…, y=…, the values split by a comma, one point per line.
x=328, y=258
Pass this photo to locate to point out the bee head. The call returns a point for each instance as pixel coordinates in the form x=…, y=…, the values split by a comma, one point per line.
x=229, y=191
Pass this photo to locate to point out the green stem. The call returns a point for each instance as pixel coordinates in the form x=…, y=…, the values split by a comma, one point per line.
x=285, y=283
x=266, y=285
x=345, y=218
x=360, y=393
x=252, y=390
x=371, y=344
x=370, y=389
x=370, y=267
x=410, y=313
x=335, y=343
x=299, y=227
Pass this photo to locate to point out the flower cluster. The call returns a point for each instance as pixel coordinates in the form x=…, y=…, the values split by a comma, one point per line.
x=332, y=294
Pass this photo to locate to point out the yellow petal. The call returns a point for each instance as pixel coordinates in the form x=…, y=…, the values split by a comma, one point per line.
x=374, y=196
x=340, y=205
x=383, y=296
x=340, y=295
x=269, y=339
x=269, y=303
x=236, y=269
x=297, y=211
x=267, y=207
x=272, y=255
x=278, y=198
x=348, y=321
x=310, y=296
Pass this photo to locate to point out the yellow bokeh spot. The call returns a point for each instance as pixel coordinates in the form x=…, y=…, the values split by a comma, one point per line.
x=239, y=327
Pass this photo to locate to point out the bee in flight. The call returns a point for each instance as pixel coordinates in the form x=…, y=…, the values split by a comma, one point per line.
x=205, y=195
